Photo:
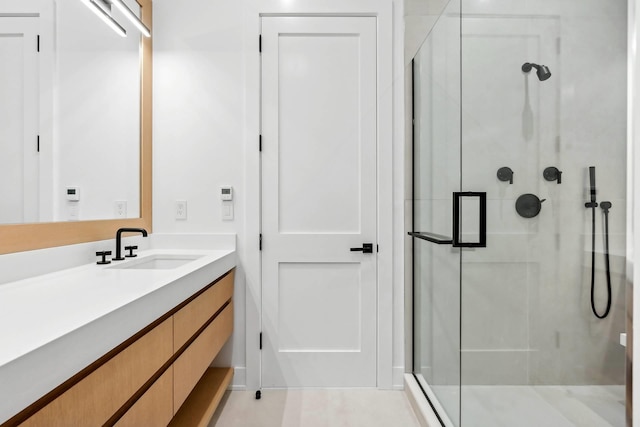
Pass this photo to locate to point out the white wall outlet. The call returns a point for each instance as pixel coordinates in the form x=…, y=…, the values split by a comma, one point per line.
x=181, y=209
x=120, y=209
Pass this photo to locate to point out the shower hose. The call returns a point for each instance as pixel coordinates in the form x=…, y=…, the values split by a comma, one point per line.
x=606, y=259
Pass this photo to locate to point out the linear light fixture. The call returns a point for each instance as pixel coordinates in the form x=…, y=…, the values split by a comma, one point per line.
x=102, y=9
x=122, y=7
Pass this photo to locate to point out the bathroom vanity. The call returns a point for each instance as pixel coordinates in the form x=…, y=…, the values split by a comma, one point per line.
x=125, y=344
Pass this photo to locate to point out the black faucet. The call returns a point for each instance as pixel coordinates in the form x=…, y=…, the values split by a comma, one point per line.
x=119, y=238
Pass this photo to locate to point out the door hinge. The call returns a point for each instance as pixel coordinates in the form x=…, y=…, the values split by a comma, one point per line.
x=260, y=340
x=38, y=143
x=38, y=43
x=260, y=43
x=260, y=241
x=260, y=143
x=377, y=248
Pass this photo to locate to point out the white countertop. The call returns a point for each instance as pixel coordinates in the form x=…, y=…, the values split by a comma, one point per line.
x=54, y=325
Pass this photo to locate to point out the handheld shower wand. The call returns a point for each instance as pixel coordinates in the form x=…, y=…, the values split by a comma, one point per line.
x=605, y=208
x=592, y=185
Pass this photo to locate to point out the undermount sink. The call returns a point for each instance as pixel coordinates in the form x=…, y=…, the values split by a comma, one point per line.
x=157, y=262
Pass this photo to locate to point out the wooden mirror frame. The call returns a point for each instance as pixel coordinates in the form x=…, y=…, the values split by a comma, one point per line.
x=24, y=237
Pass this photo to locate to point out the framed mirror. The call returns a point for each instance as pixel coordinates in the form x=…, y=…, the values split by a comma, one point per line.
x=57, y=219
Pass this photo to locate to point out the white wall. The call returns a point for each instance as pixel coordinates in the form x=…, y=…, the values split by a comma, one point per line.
x=199, y=140
x=202, y=51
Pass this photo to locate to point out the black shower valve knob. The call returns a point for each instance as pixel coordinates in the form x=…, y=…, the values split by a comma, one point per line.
x=552, y=174
x=505, y=174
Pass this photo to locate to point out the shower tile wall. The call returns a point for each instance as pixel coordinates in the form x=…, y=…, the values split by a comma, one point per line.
x=526, y=316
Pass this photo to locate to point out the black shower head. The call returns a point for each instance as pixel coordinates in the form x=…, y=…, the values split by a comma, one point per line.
x=541, y=70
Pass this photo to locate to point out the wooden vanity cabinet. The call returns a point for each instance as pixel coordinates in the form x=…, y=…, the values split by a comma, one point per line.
x=196, y=313
x=155, y=407
x=145, y=382
x=94, y=399
x=192, y=364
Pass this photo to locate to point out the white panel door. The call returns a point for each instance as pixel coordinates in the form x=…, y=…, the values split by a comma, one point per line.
x=19, y=177
x=318, y=201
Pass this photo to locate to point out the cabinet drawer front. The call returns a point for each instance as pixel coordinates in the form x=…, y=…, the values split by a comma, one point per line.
x=155, y=407
x=194, y=315
x=195, y=360
x=93, y=400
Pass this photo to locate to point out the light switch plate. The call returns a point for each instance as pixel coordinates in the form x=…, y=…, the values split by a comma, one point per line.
x=73, y=213
x=227, y=211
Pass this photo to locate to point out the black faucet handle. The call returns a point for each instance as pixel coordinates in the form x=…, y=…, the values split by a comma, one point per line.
x=131, y=249
x=103, y=254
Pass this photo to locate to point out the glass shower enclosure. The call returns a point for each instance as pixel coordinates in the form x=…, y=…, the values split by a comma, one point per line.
x=519, y=213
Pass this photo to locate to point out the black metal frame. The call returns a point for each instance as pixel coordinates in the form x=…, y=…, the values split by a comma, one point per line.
x=417, y=235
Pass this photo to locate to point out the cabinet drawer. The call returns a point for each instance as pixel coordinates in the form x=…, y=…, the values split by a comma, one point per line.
x=155, y=407
x=195, y=360
x=97, y=397
x=194, y=315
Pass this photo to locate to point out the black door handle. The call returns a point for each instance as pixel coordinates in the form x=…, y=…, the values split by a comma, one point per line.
x=367, y=248
x=482, y=219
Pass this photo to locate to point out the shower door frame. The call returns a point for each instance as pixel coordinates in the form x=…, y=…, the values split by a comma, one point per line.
x=432, y=400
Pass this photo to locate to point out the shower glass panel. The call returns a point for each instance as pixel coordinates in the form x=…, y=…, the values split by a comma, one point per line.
x=530, y=342
x=436, y=153
x=524, y=102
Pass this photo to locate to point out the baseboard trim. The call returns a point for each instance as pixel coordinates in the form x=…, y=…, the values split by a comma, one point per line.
x=398, y=378
x=239, y=381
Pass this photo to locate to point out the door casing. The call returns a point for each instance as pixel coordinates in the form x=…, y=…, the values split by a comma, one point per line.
x=307, y=231
x=250, y=254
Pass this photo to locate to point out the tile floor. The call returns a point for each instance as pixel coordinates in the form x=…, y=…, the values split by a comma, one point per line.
x=534, y=406
x=315, y=408
x=495, y=406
